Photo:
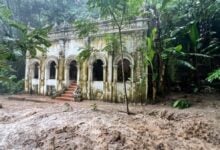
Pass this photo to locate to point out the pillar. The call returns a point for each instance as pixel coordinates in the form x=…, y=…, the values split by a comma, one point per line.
x=66, y=74
x=132, y=82
x=105, y=89
x=27, y=88
x=89, y=81
x=114, y=88
x=43, y=75
x=78, y=73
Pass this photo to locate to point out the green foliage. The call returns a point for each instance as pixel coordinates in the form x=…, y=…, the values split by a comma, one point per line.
x=94, y=107
x=15, y=39
x=85, y=28
x=5, y=13
x=34, y=40
x=194, y=33
x=85, y=53
x=214, y=76
x=112, y=43
x=181, y=104
x=120, y=11
x=38, y=13
x=9, y=83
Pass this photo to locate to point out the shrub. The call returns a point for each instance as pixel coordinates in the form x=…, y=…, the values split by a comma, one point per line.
x=94, y=107
x=181, y=104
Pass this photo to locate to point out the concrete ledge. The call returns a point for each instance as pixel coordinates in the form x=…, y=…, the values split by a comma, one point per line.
x=18, y=98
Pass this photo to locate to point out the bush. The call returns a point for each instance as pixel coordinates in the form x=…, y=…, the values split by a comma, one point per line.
x=181, y=104
x=94, y=107
x=11, y=86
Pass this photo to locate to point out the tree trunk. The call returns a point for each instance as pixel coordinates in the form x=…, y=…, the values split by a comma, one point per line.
x=123, y=75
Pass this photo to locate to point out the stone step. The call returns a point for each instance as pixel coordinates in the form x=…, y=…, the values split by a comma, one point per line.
x=65, y=98
x=71, y=89
x=68, y=92
x=67, y=95
x=72, y=86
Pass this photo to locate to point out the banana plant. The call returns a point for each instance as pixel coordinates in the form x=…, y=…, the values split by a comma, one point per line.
x=215, y=75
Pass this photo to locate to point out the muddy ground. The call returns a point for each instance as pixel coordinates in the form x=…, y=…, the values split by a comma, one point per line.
x=59, y=125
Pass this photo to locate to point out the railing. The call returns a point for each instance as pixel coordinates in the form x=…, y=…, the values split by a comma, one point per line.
x=68, y=31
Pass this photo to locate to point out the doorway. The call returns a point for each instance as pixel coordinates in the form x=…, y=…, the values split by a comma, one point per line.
x=73, y=71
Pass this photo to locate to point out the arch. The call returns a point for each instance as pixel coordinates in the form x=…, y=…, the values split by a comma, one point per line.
x=48, y=62
x=50, y=59
x=70, y=59
x=127, y=70
x=73, y=70
x=33, y=61
x=52, y=72
x=96, y=56
x=97, y=72
x=36, y=70
x=125, y=56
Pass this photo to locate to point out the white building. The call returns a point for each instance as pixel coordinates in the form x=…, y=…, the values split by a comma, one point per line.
x=100, y=75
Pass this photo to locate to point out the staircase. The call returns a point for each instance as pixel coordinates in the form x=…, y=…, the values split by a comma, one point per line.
x=68, y=94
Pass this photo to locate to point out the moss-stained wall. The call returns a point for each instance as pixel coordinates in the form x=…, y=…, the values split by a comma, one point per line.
x=65, y=48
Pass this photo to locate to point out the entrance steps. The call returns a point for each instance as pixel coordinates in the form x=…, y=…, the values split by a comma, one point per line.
x=68, y=94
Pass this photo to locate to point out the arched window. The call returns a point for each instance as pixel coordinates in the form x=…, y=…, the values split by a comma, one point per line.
x=98, y=70
x=73, y=71
x=127, y=70
x=36, y=71
x=52, y=70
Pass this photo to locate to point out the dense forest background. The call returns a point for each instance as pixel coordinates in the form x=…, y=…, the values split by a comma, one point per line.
x=189, y=58
x=33, y=14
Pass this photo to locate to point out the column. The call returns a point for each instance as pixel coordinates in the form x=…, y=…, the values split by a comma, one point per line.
x=66, y=74
x=57, y=77
x=46, y=78
x=132, y=82
x=38, y=68
x=30, y=76
x=89, y=81
x=110, y=77
x=42, y=76
x=78, y=74
x=105, y=90
x=27, y=88
x=114, y=89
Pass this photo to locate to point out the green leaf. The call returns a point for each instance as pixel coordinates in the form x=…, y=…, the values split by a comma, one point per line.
x=194, y=34
x=179, y=48
x=164, y=4
x=214, y=76
x=198, y=55
x=186, y=64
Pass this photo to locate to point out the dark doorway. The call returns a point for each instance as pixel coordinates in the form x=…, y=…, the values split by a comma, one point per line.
x=73, y=71
x=127, y=70
x=98, y=70
x=36, y=71
x=52, y=70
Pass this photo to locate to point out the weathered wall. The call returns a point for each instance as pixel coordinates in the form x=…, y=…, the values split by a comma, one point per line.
x=65, y=48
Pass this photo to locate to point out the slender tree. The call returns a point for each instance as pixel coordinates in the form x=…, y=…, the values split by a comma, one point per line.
x=120, y=13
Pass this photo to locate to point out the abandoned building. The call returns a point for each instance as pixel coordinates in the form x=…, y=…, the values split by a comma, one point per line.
x=99, y=76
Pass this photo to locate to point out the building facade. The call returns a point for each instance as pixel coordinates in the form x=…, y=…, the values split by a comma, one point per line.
x=99, y=76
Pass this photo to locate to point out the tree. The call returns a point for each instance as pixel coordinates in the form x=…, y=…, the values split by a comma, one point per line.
x=16, y=39
x=182, y=36
x=120, y=13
